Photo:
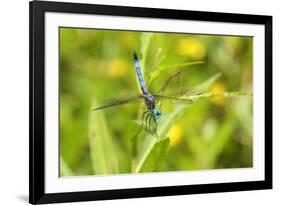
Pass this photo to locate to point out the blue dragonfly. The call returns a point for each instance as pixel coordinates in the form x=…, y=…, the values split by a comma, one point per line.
x=152, y=113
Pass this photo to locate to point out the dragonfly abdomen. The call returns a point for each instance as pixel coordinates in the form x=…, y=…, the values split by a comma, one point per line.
x=139, y=74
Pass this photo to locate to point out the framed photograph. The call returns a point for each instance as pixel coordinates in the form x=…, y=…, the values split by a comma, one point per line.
x=141, y=102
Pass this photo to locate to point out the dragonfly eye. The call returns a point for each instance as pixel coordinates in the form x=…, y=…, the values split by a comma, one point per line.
x=156, y=113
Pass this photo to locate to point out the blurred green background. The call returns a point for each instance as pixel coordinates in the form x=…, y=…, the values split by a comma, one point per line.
x=212, y=133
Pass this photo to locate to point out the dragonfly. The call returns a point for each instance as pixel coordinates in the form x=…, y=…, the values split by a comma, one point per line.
x=152, y=112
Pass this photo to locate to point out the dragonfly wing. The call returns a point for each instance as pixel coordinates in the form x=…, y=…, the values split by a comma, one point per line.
x=173, y=98
x=175, y=82
x=120, y=101
x=168, y=81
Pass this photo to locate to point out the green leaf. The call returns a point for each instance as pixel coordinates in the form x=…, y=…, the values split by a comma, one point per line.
x=145, y=39
x=102, y=148
x=159, y=71
x=64, y=168
x=156, y=157
x=216, y=146
x=159, y=57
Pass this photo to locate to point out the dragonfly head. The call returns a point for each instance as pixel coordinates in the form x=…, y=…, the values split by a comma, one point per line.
x=156, y=113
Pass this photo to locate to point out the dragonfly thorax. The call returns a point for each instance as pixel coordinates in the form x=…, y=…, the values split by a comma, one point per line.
x=150, y=101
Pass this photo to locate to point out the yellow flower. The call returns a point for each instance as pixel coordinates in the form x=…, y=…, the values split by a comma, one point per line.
x=216, y=89
x=117, y=68
x=175, y=134
x=191, y=47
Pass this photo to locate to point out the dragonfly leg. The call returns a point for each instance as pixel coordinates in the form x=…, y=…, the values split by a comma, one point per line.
x=149, y=122
x=156, y=125
x=146, y=120
x=152, y=125
x=143, y=116
x=151, y=130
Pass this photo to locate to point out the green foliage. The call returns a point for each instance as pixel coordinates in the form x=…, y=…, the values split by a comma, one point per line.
x=145, y=39
x=64, y=169
x=215, y=131
x=156, y=158
x=103, y=151
x=204, y=86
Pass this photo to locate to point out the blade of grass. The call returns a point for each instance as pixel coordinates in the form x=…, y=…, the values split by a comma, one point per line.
x=207, y=83
x=159, y=57
x=64, y=168
x=212, y=94
x=156, y=157
x=102, y=148
x=215, y=147
x=145, y=40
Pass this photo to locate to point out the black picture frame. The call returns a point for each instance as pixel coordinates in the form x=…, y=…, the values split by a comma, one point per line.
x=37, y=192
